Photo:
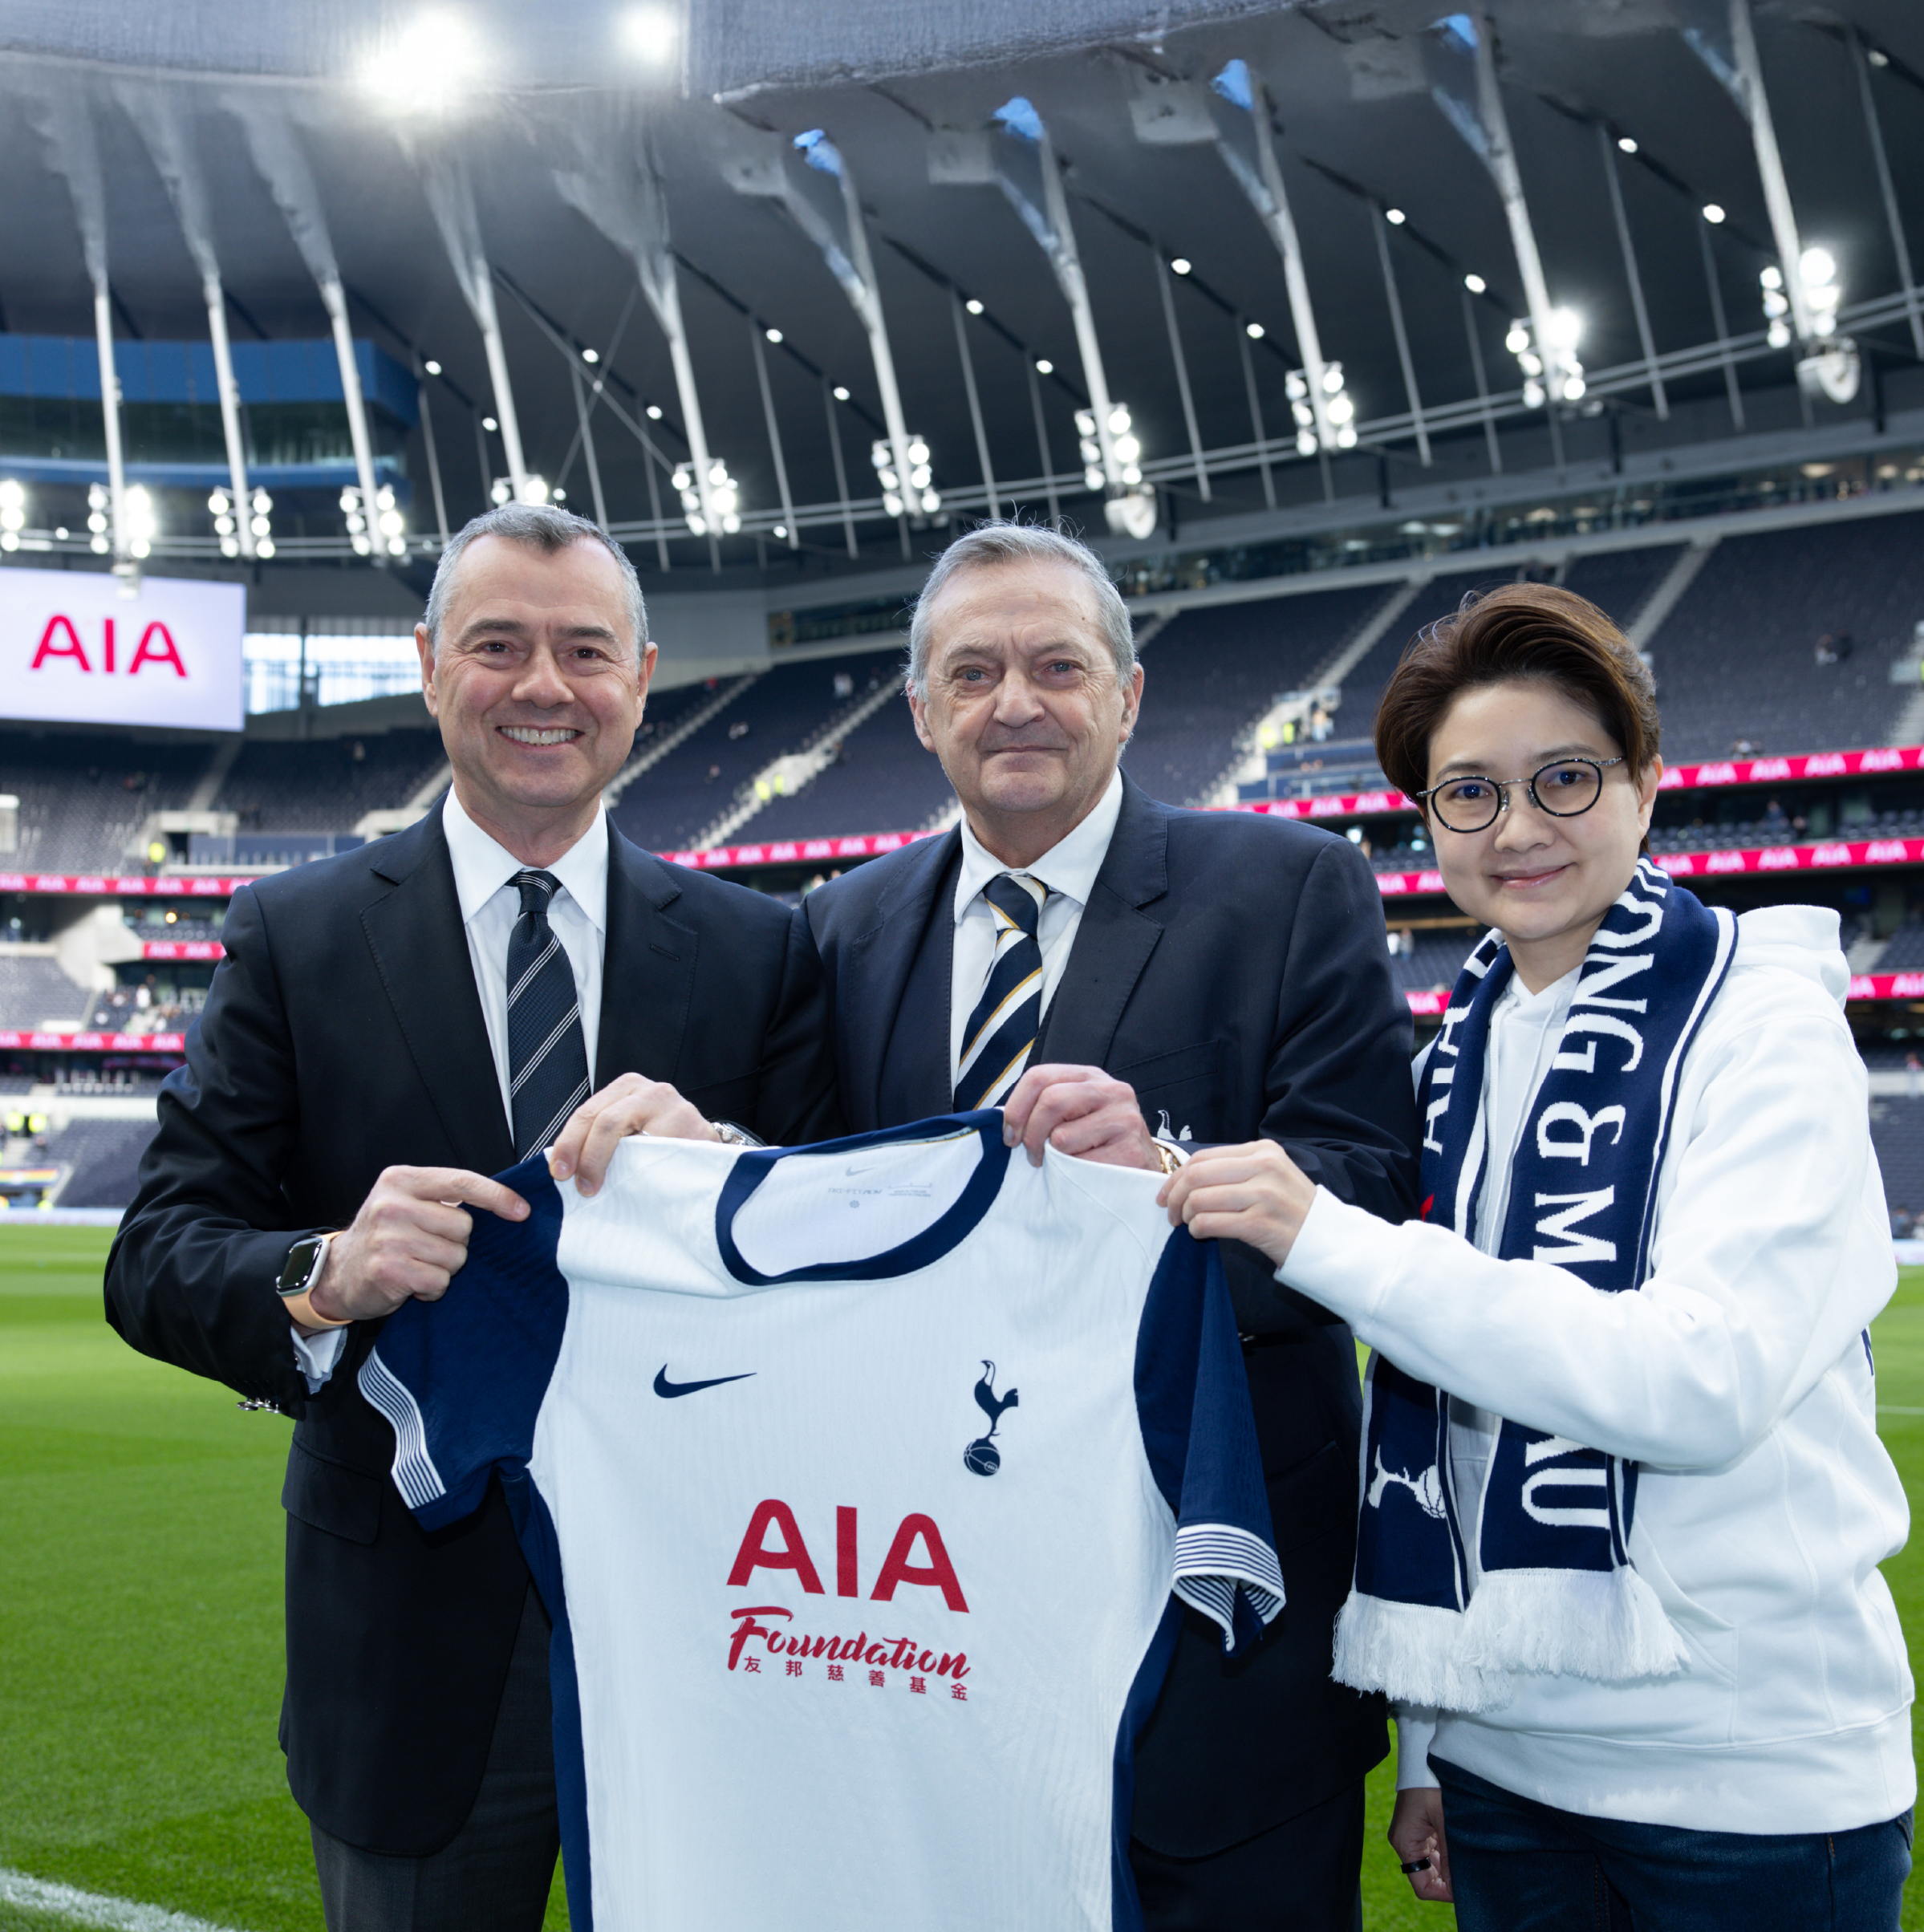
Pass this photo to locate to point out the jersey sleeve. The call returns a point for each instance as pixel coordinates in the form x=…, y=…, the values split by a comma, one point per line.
x=462, y=1379
x=1192, y=1398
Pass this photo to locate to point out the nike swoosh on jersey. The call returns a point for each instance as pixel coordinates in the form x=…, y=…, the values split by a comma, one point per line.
x=663, y=1387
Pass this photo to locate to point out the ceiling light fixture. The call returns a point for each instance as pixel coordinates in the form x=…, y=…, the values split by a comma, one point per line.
x=1394, y=217
x=1712, y=213
x=1254, y=331
x=772, y=335
x=1626, y=143
x=1474, y=284
x=839, y=393
x=1181, y=265
x=431, y=366
x=973, y=307
x=1044, y=366
x=590, y=355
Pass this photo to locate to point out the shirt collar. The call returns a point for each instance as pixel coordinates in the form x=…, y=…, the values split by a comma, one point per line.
x=482, y=866
x=1070, y=866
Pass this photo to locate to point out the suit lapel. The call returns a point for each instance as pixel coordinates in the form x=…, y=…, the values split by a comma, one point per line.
x=414, y=931
x=879, y=961
x=648, y=966
x=1113, y=941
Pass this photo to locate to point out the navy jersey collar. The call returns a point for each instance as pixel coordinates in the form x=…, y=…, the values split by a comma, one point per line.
x=949, y=1231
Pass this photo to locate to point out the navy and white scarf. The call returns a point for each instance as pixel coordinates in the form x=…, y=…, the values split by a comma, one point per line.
x=1556, y=1590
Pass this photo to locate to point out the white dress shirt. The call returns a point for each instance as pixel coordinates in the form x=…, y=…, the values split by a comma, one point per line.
x=490, y=903
x=1068, y=869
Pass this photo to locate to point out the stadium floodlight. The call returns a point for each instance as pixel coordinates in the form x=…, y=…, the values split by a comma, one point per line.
x=391, y=524
x=142, y=523
x=1339, y=409
x=973, y=307
x=13, y=512
x=1474, y=284
x=427, y=67
x=590, y=355
x=1181, y=265
x=1123, y=441
x=489, y=423
x=358, y=532
x=1550, y=367
x=1713, y=213
x=431, y=366
x=724, y=499
x=1044, y=366
x=649, y=32
x=1394, y=217
x=96, y=518
x=653, y=412
x=1254, y=331
x=772, y=335
x=913, y=491
x=1626, y=143
x=839, y=393
x=1817, y=270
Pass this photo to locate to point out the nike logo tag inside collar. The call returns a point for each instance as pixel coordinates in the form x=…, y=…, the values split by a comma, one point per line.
x=663, y=1387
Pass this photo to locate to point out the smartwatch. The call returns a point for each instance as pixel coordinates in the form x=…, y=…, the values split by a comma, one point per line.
x=298, y=1273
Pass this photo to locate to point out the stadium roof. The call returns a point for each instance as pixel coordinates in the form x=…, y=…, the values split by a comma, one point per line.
x=1367, y=118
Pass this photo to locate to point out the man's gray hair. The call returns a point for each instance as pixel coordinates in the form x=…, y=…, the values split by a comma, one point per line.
x=997, y=542
x=535, y=526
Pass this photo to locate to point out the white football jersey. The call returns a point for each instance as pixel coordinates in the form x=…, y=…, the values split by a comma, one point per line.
x=857, y=1478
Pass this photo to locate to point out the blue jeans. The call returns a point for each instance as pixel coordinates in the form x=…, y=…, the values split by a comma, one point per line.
x=1519, y=1866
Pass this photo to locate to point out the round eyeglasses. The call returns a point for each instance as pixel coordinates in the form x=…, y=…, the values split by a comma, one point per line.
x=1565, y=788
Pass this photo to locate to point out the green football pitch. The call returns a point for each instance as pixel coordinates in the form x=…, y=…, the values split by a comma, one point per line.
x=141, y=1619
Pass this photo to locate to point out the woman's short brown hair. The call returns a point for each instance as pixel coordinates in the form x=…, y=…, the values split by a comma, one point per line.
x=1534, y=631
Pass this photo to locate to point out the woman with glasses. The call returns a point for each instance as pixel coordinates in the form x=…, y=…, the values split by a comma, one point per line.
x=1623, y=1499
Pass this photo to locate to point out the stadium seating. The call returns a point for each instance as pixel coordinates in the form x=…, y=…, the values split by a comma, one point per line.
x=675, y=801
x=1736, y=660
x=1619, y=582
x=1434, y=959
x=1897, y=1131
x=34, y=991
x=324, y=784
x=884, y=781
x=1212, y=673
x=106, y=1157
x=83, y=796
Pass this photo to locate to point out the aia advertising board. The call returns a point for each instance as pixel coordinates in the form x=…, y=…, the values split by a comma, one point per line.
x=73, y=649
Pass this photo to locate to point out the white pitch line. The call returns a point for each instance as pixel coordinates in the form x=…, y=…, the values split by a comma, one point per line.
x=94, y=1908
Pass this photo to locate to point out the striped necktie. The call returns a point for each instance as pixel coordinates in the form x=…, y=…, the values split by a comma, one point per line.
x=996, y=1040
x=547, y=1052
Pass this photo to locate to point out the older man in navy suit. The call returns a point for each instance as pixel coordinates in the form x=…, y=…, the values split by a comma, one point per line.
x=1126, y=980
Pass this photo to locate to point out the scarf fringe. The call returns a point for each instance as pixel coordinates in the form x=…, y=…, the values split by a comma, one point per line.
x=1606, y=1624
x=1414, y=1652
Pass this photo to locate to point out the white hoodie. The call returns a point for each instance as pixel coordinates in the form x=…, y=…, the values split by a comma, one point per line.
x=1740, y=1379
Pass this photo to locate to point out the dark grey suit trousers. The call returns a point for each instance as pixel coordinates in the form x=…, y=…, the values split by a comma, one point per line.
x=495, y=1874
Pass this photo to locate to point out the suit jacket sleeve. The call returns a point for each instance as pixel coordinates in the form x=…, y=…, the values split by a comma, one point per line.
x=191, y=1276
x=797, y=1101
x=1337, y=1085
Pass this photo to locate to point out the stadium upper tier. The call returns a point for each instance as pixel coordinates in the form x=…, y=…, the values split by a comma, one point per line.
x=1800, y=640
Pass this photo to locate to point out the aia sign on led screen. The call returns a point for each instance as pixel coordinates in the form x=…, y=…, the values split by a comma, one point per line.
x=73, y=648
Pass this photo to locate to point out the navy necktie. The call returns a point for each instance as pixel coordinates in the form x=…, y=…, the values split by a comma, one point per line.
x=1003, y=1027
x=547, y=1051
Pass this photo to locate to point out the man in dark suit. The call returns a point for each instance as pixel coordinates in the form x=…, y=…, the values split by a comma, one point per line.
x=389, y=1028
x=1125, y=978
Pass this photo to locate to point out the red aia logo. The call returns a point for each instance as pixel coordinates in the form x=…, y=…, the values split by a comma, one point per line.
x=156, y=646
x=937, y=1573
